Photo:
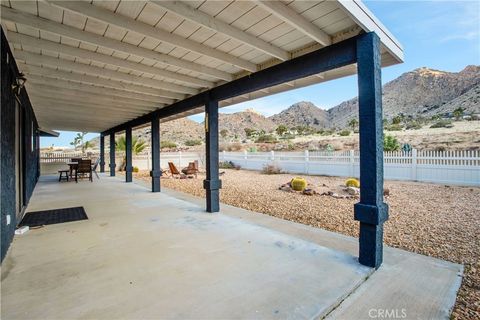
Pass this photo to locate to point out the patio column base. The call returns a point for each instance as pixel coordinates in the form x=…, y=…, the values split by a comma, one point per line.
x=155, y=174
x=371, y=232
x=128, y=174
x=112, y=169
x=213, y=194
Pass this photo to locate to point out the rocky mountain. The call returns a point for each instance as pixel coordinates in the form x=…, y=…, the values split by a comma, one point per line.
x=235, y=123
x=177, y=131
x=302, y=113
x=422, y=91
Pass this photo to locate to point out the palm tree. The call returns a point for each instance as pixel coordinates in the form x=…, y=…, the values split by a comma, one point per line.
x=138, y=146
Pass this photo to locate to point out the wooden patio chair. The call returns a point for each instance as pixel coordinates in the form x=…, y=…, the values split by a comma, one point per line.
x=84, y=169
x=173, y=170
x=192, y=169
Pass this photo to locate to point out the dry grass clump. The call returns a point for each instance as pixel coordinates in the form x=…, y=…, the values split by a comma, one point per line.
x=271, y=169
x=429, y=219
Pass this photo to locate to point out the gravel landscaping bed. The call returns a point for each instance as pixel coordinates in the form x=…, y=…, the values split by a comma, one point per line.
x=434, y=220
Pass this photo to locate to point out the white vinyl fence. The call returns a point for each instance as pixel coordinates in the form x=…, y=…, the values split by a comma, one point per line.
x=446, y=167
x=51, y=162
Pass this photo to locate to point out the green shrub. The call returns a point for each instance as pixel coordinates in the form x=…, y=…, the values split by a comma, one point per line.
x=344, y=133
x=266, y=138
x=394, y=127
x=413, y=125
x=228, y=165
x=167, y=144
x=271, y=169
x=135, y=169
x=193, y=142
x=442, y=124
x=327, y=133
x=390, y=143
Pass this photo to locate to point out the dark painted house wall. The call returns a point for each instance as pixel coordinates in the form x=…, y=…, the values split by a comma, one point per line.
x=29, y=144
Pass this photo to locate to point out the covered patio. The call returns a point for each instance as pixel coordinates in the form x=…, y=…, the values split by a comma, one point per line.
x=158, y=255
x=113, y=66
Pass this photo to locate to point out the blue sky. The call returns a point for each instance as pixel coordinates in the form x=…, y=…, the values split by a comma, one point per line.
x=443, y=35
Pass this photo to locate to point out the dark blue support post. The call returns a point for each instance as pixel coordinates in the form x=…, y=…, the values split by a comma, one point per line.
x=212, y=183
x=155, y=148
x=371, y=211
x=128, y=154
x=102, y=153
x=112, y=154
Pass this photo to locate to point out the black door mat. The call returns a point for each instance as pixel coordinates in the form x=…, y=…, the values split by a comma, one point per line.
x=40, y=218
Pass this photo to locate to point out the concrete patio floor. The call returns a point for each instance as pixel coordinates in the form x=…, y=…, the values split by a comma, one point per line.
x=159, y=255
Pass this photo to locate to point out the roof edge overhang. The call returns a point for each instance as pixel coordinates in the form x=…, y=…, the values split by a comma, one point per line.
x=359, y=13
x=44, y=132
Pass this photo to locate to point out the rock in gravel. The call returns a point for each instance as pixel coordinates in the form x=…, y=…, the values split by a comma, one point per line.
x=309, y=192
x=352, y=191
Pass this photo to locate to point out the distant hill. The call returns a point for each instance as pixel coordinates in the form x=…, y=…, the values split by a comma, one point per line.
x=235, y=123
x=422, y=91
x=302, y=113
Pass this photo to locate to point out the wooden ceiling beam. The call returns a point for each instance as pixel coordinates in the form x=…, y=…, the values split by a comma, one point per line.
x=217, y=25
x=296, y=20
x=89, y=88
x=59, y=74
x=129, y=24
x=33, y=42
x=39, y=23
x=52, y=62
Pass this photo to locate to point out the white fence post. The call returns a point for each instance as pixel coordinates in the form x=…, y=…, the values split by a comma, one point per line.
x=352, y=162
x=245, y=157
x=307, y=160
x=223, y=155
x=179, y=158
x=272, y=155
x=414, y=164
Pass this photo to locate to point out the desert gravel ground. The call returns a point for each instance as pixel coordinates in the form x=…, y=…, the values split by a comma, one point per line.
x=435, y=220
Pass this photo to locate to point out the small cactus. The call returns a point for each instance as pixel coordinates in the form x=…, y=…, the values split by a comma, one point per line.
x=352, y=182
x=298, y=184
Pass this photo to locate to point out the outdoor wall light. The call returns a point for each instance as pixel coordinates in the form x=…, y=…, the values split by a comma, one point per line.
x=19, y=83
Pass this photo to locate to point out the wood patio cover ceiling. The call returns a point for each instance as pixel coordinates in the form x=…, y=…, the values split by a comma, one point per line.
x=91, y=65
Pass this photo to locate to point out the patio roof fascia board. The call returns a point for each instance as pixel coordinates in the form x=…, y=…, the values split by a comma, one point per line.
x=331, y=57
x=359, y=13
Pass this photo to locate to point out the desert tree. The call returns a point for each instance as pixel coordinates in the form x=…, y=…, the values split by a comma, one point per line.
x=458, y=113
x=353, y=124
x=281, y=129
